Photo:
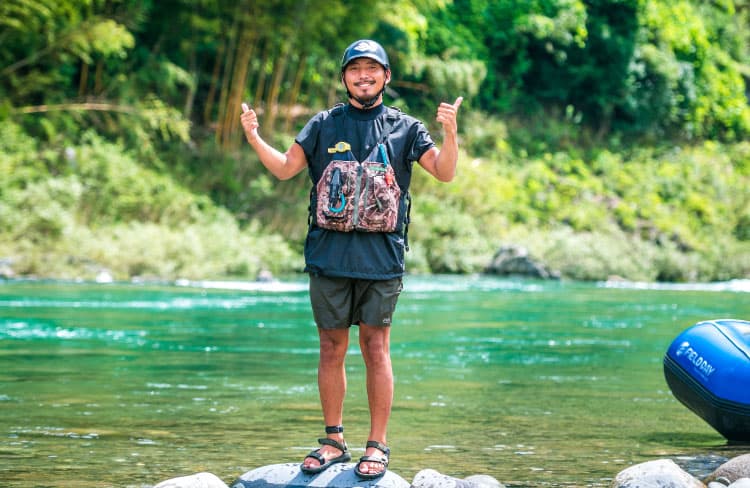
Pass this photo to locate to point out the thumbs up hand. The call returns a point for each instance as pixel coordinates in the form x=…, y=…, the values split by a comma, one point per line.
x=250, y=124
x=447, y=113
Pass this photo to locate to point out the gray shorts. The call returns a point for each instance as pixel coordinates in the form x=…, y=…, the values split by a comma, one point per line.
x=339, y=303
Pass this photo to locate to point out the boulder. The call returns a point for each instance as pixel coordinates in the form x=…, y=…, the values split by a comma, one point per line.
x=429, y=478
x=732, y=470
x=516, y=261
x=200, y=480
x=662, y=473
x=483, y=481
x=6, y=268
x=337, y=476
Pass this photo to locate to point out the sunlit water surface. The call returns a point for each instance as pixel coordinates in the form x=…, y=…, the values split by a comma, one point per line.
x=533, y=383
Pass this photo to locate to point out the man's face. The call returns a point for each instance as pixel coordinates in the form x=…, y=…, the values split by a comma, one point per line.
x=365, y=77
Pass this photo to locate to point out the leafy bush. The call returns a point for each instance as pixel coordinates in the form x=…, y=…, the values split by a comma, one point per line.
x=98, y=209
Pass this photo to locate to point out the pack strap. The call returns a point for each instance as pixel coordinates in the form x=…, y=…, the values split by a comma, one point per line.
x=407, y=219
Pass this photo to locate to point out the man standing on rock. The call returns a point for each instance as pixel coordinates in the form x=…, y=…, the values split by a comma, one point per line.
x=359, y=157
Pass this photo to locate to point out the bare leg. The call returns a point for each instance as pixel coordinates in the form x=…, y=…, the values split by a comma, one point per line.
x=374, y=342
x=331, y=386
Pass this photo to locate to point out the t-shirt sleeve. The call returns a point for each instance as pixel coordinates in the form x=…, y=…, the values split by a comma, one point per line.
x=308, y=137
x=422, y=142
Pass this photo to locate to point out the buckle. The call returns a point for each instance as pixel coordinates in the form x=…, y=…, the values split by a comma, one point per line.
x=340, y=147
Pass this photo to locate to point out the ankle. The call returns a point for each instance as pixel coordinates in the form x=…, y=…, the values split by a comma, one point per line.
x=335, y=432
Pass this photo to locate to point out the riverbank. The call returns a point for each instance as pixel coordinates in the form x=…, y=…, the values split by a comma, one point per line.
x=656, y=214
x=220, y=250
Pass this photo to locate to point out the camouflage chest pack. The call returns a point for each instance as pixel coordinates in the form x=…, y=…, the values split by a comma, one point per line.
x=352, y=195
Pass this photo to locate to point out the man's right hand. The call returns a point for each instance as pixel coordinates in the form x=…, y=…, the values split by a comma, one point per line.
x=250, y=124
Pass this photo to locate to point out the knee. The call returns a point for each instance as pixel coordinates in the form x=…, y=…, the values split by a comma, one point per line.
x=375, y=350
x=333, y=347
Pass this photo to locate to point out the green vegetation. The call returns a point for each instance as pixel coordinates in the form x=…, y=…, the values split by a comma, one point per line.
x=609, y=137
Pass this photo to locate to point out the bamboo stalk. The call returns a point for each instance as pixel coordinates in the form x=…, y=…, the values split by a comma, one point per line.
x=83, y=81
x=208, y=109
x=225, y=81
x=276, y=81
x=291, y=100
x=244, y=53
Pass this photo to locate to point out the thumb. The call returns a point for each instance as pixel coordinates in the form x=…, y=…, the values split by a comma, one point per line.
x=245, y=108
x=458, y=102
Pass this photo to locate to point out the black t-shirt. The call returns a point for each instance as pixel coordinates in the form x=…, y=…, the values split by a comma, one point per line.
x=367, y=255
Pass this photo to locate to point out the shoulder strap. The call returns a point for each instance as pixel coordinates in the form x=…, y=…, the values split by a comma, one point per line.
x=337, y=109
x=392, y=115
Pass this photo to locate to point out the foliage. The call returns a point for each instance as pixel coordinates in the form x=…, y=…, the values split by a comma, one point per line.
x=636, y=67
x=605, y=135
x=95, y=208
x=673, y=214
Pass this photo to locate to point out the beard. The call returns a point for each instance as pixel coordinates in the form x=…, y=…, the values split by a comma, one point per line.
x=365, y=101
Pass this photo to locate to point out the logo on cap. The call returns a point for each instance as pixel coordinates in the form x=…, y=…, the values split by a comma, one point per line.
x=366, y=46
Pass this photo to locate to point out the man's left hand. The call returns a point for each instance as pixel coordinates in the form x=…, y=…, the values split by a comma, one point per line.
x=446, y=115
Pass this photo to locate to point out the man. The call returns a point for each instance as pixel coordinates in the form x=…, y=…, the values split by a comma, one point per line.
x=359, y=157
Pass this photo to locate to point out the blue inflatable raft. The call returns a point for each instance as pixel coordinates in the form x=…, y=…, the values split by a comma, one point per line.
x=707, y=367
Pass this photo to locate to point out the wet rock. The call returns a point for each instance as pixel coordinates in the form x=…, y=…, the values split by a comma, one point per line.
x=741, y=483
x=337, y=476
x=429, y=478
x=200, y=480
x=662, y=473
x=104, y=276
x=516, y=261
x=732, y=470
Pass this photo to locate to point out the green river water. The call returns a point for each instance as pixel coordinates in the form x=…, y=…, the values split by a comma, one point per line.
x=534, y=383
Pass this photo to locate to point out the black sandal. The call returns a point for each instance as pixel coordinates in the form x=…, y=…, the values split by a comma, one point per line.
x=374, y=459
x=343, y=458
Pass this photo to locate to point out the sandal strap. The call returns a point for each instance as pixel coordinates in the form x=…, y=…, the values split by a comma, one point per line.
x=334, y=429
x=331, y=442
x=380, y=446
x=316, y=455
x=374, y=459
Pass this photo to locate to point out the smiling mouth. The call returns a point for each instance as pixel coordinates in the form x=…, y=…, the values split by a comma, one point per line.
x=364, y=83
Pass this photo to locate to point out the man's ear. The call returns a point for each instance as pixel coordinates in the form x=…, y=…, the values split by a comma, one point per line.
x=387, y=76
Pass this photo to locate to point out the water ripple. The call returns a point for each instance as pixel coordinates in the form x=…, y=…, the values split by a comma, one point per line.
x=732, y=285
x=177, y=303
x=30, y=330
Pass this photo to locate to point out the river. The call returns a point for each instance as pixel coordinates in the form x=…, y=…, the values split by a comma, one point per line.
x=534, y=383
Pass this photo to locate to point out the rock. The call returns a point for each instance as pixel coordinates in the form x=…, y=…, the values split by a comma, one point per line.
x=483, y=481
x=732, y=470
x=200, y=480
x=662, y=473
x=741, y=483
x=337, y=476
x=429, y=478
x=104, y=276
x=716, y=484
x=6, y=268
x=265, y=276
x=515, y=261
